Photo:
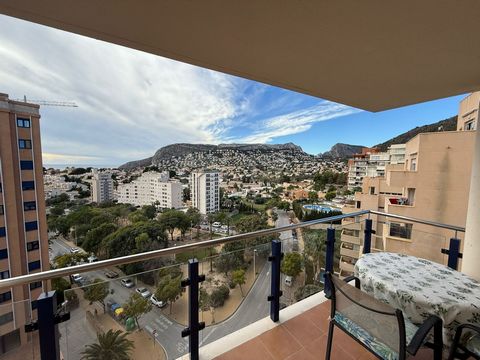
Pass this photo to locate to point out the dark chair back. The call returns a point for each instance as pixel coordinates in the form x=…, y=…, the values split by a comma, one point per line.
x=380, y=320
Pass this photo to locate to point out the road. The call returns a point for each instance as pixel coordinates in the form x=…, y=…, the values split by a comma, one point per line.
x=253, y=308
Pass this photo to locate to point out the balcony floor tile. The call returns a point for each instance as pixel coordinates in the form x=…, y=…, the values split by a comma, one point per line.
x=305, y=337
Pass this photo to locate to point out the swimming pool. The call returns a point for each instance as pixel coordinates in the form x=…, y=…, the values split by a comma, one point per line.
x=320, y=207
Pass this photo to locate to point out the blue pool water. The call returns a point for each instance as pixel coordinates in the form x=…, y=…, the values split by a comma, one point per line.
x=323, y=208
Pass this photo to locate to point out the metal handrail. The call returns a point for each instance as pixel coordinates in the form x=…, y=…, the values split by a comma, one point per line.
x=51, y=274
x=419, y=221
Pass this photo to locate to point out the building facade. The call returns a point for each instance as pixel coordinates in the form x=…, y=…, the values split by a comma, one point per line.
x=205, y=191
x=433, y=183
x=23, y=226
x=151, y=188
x=102, y=186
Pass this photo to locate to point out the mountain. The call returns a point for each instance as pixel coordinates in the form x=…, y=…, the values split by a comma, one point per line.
x=449, y=124
x=342, y=151
x=183, y=150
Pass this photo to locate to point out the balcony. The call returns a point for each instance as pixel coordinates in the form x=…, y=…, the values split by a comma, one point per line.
x=233, y=330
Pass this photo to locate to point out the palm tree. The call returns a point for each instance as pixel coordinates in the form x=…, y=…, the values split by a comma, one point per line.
x=112, y=345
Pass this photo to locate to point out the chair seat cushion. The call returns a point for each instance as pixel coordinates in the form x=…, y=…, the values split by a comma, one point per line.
x=473, y=344
x=366, y=338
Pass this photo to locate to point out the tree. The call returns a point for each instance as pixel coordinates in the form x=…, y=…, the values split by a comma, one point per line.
x=67, y=260
x=306, y=291
x=97, y=291
x=238, y=278
x=94, y=236
x=60, y=285
x=186, y=194
x=137, y=216
x=292, y=264
x=211, y=218
x=149, y=211
x=312, y=196
x=142, y=241
x=170, y=220
x=330, y=195
x=136, y=306
x=195, y=218
x=169, y=290
x=315, y=248
x=112, y=345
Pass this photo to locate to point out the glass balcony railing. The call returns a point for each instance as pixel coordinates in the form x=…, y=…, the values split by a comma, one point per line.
x=194, y=294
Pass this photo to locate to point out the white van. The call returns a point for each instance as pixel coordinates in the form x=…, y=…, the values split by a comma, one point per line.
x=288, y=280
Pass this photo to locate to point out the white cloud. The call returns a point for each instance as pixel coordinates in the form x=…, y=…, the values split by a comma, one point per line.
x=266, y=130
x=131, y=103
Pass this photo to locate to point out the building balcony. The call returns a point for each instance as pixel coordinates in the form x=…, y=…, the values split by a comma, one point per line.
x=301, y=334
x=238, y=329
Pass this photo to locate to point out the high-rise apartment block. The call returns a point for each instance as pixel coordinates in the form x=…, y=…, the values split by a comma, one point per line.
x=433, y=183
x=23, y=226
x=205, y=191
x=152, y=188
x=371, y=162
x=102, y=186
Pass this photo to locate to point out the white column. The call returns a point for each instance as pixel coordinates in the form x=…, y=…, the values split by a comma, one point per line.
x=471, y=248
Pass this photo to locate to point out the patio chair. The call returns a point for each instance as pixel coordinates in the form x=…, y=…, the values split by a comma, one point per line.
x=470, y=346
x=377, y=326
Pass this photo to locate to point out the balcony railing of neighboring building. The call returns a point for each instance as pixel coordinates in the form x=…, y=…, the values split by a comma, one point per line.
x=188, y=295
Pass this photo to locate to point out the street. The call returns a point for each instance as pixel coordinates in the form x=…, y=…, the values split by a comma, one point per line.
x=253, y=308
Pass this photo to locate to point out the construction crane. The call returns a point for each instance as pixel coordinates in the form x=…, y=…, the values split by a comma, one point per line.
x=48, y=103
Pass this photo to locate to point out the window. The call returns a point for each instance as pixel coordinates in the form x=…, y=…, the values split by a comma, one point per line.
x=35, y=285
x=24, y=144
x=6, y=318
x=3, y=254
x=31, y=225
x=33, y=245
x=470, y=125
x=34, y=265
x=29, y=205
x=26, y=165
x=358, y=204
x=372, y=190
x=4, y=274
x=1, y=187
x=413, y=164
x=401, y=230
x=2, y=211
x=5, y=296
x=28, y=185
x=21, y=122
x=411, y=196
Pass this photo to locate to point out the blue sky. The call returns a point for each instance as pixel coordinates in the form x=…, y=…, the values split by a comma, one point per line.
x=132, y=103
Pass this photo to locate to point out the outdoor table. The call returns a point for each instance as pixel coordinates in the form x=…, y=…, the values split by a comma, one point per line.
x=421, y=288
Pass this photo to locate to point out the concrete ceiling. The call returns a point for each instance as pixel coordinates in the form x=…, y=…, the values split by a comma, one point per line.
x=371, y=54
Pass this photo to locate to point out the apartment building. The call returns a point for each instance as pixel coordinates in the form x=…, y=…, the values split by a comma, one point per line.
x=205, y=191
x=371, y=162
x=102, y=186
x=23, y=226
x=152, y=188
x=433, y=183
x=468, y=112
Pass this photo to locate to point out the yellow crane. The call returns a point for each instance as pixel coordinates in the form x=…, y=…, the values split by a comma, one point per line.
x=48, y=103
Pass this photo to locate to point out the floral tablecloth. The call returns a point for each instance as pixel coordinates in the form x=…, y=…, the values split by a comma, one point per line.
x=421, y=288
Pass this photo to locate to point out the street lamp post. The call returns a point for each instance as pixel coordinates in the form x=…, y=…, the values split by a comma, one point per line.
x=254, y=256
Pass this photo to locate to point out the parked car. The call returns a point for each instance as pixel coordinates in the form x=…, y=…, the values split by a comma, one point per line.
x=92, y=258
x=74, y=250
x=76, y=278
x=157, y=302
x=288, y=280
x=128, y=283
x=144, y=292
x=111, y=274
x=216, y=224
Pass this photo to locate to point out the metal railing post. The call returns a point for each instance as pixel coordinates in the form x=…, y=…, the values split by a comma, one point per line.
x=194, y=326
x=48, y=334
x=329, y=253
x=276, y=293
x=454, y=253
x=367, y=242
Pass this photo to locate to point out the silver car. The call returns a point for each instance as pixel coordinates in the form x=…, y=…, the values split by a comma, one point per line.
x=144, y=292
